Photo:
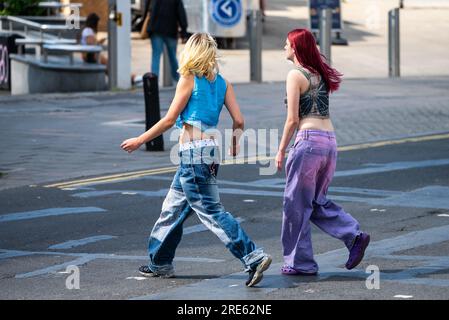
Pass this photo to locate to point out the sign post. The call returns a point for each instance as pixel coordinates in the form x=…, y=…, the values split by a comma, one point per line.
x=394, y=56
x=119, y=44
x=315, y=7
x=220, y=18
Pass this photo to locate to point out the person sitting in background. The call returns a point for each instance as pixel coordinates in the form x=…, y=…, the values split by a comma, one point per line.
x=89, y=37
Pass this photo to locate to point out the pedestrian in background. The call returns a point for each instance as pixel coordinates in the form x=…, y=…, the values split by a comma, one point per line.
x=263, y=6
x=311, y=161
x=167, y=20
x=200, y=95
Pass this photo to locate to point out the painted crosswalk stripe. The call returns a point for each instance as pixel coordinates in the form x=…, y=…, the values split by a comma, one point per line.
x=48, y=213
x=80, y=242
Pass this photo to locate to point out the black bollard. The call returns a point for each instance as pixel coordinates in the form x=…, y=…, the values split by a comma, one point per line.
x=152, y=109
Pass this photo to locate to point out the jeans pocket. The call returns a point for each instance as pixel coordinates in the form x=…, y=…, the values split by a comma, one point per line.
x=213, y=168
x=297, y=142
x=208, y=173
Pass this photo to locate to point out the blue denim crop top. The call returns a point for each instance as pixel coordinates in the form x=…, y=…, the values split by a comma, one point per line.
x=205, y=104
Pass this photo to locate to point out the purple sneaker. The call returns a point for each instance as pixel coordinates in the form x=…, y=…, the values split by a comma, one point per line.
x=358, y=250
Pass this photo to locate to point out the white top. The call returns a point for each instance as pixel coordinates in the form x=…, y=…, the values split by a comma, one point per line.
x=87, y=32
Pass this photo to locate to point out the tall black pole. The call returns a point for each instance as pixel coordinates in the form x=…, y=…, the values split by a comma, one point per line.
x=152, y=109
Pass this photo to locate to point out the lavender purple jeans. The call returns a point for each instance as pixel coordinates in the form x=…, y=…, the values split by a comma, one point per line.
x=310, y=168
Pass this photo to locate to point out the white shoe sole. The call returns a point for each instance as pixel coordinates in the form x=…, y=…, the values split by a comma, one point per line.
x=258, y=275
x=156, y=275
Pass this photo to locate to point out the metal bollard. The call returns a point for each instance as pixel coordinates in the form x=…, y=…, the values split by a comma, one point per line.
x=326, y=33
x=255, y=45
x=112, y=51
x=152, y=109
x=167, y=80
x=394, y=69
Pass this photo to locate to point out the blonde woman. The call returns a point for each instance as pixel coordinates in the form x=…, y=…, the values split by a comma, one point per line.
x=200, y=95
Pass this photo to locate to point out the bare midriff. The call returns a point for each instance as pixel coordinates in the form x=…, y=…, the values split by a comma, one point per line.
x=315, y=124
x=191, y=133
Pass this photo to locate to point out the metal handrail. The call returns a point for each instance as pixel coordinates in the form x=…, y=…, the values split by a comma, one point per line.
x=30, y=24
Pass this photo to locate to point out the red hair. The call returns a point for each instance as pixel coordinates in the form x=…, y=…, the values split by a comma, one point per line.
x=308, y=55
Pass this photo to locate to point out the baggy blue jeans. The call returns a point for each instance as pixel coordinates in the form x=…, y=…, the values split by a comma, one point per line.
x=194, y=190
x=157, y=45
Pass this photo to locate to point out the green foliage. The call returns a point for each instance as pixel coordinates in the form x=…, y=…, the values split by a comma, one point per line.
x=21, y=8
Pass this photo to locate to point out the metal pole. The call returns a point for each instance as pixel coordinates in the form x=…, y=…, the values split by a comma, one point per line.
x=255, y=45
x=152, y=109
x=112, y=46
x=393, y=44
x=326, y=33
x=167, y=80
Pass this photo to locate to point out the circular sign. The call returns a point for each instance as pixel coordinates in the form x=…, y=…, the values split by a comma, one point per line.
x=4, y=65
x=226, y=13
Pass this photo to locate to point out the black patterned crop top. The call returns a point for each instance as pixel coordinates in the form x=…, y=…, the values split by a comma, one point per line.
x=314, y=103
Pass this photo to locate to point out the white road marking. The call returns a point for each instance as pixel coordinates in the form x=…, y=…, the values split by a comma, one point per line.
x=137, y=278
x=48, y=213
x=83, y=258
x=80, y=242
x=329, y=265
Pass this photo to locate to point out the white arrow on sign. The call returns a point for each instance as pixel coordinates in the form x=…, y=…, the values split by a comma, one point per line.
x=226, y=8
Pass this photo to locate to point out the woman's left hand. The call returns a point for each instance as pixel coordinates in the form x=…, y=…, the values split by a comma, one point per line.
x=234, y=150
x=131, y=145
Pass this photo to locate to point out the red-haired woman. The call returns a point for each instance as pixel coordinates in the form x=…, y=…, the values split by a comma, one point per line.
x=311, y=160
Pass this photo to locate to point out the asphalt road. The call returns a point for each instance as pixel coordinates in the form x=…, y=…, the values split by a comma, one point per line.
x=399, y=193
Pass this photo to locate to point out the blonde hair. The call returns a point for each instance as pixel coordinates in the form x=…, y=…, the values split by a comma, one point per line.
x=199, y=56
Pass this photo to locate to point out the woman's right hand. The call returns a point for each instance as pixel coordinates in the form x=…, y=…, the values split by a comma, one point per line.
x=280, y=157
x=131, y=145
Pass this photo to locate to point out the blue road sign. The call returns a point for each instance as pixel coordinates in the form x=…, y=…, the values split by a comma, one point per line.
x=226, y=13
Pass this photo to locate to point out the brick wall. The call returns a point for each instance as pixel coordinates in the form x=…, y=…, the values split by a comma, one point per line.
x=100, y=7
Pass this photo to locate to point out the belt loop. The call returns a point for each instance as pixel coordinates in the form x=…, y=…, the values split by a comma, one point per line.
x=191, y=156
x=202, y=154
x=307, y=135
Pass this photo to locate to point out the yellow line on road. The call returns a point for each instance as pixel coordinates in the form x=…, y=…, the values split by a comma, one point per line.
x=120, y=175
x=393, y=142
x=143, y=173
